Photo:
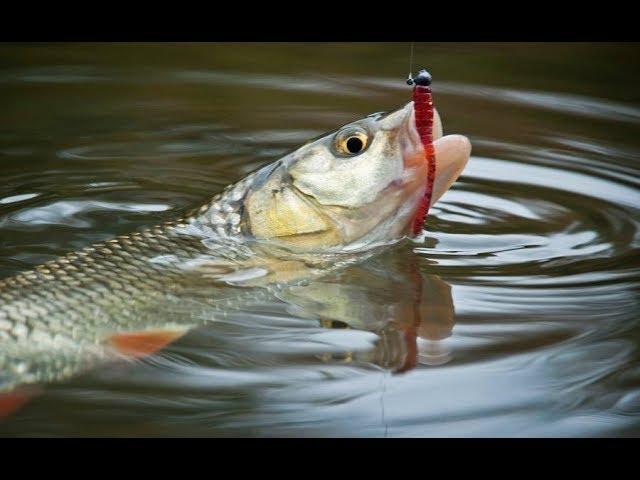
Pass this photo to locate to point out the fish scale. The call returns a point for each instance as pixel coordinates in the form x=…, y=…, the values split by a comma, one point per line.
x=54, y=319
x=83, y=296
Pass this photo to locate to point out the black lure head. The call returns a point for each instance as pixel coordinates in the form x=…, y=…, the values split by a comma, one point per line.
x=423, y=79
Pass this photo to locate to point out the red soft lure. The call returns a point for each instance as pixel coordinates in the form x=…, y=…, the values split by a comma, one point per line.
x=423, y=109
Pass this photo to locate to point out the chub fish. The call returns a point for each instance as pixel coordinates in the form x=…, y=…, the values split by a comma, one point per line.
x=364, y=186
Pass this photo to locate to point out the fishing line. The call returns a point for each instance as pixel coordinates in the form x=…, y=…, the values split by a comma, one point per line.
x=410, y=77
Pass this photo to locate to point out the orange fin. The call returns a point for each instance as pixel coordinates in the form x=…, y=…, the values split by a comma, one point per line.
x=142, y=344
x=11, y=402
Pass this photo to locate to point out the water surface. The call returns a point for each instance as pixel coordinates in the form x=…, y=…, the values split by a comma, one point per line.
x=516, y=315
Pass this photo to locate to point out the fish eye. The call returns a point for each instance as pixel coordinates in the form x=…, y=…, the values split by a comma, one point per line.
x=351, y=141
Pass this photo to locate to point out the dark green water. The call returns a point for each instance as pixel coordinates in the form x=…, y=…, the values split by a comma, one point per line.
x=528, y=313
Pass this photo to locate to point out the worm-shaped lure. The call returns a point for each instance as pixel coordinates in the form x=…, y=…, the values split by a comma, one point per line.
x=423, y=109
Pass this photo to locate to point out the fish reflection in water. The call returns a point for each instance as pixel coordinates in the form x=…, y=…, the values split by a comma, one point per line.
x=407, y=313
x=412, y=312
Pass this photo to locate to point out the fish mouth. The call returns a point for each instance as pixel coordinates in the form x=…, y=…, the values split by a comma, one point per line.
x=451, y=153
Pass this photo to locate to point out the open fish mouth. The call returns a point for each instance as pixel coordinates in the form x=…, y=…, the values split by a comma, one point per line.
x=442, y=159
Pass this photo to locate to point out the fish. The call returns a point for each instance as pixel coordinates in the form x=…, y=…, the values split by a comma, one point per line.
x=332, y=202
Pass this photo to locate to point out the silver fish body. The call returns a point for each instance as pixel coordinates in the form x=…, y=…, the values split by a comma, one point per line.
x=293, y=219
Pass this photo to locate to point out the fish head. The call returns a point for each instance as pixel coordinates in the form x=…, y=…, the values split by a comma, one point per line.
x=352, y=189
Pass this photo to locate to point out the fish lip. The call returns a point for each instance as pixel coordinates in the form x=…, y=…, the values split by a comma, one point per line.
x=414, y=136
x=413, y=142
x=412, y=148
x=452, y=156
